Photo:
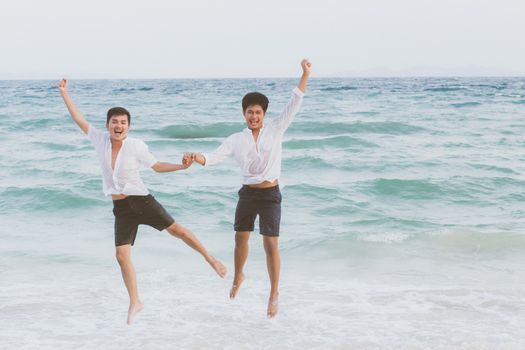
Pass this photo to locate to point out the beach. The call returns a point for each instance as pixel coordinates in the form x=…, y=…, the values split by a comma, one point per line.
x=403, y=222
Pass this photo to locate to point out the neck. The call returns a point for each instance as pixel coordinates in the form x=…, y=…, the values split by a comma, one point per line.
x=255, y=133
x=116, y=143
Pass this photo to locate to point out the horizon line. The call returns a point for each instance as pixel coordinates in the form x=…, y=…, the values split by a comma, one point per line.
x=522, y=75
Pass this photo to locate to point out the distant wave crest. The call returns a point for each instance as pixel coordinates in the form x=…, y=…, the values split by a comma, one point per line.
x=200, y=131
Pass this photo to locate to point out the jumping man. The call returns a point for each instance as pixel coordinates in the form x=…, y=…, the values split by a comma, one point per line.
x=120, y=158
x=258, y=151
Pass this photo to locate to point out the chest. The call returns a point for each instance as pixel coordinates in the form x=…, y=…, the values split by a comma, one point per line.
x=120, y=158
x=114, y=155
x=263, y=144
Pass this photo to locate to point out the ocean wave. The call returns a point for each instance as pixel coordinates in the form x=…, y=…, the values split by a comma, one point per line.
x=44, y=199
x=307, y=162
x=444, y=89
x=336, y=141
x=36, y=124
x=338, y=88
x=131, y=89
x=384, y=237
x=317, y=192
x=407, y=189
x=473, y=241
x=465, y=104
x=193, y=143
x=490, y=86
x=389, y=128
x=172, y=91
x=52, y=146
x=519, y=102
x=366, y=113
x=493, y=168
x=200, y=131
x=443, y=240
x=499, y=182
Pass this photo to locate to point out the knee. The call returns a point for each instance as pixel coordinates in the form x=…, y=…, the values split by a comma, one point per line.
x=241, y=239
x=271, y=247
x=177, y=231
x=122, y=256
x=271, y=251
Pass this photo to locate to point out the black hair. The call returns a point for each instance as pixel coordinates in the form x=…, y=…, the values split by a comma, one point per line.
x=254, y=98
x=118, y=111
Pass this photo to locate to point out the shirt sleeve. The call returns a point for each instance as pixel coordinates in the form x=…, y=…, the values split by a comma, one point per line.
x=144, y=155
x=287, y=115
x=221, y=153
x=95, y=136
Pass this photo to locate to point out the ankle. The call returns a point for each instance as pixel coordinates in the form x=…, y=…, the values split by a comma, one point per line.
x=135, y=302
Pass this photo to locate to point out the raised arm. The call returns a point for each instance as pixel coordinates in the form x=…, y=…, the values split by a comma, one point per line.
x=75, y=113
x=288, y=114
x=306, y=65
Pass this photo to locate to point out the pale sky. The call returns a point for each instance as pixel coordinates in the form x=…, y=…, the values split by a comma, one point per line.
x=265, y=38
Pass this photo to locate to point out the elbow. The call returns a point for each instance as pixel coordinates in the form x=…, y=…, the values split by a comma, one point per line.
x=157, y=167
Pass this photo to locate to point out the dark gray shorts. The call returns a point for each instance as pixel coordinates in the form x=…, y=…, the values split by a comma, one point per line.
x=133, y=211
x=265, y=202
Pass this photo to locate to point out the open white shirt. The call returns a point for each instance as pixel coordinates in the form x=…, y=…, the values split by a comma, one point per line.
x=125, y=178
x=259, y=161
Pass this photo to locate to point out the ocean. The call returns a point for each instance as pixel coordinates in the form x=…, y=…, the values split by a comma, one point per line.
x=403, y=223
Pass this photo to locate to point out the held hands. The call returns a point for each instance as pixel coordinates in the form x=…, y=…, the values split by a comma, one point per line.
x=306, y=65
x=188, y=159
x=62, y=85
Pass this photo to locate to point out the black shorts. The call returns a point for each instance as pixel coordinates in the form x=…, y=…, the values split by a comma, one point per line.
x=133, y=211
x=265, y=202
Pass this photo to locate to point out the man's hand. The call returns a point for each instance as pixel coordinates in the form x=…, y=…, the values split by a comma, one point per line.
x=187, y=159
x=62, y=86
x=306, y=65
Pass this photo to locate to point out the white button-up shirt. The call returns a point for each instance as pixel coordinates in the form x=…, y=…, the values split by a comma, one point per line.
x=259, y=161
x=125, y=178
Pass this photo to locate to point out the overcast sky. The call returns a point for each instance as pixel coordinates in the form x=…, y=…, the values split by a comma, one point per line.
x=265, y=38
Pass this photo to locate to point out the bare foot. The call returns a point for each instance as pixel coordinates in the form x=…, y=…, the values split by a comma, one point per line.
x=236, y=285
x=218, y=267
x=273, y=306
x=133, y=310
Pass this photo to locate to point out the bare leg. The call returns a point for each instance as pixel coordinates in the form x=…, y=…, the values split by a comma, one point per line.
x=189, y=238
x=130, y=280
x=241, y=254
x=273, y=262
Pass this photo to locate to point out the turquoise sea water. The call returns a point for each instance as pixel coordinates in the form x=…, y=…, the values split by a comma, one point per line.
x=403, y=217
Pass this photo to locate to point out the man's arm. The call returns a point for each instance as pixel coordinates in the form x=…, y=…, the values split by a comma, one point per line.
x=211, y=158
x=164, y=167
x=287, y=115
x=77, y=116
x=307, y=66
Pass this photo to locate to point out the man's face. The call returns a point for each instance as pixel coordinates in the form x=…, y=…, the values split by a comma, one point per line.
x=118, y=127
x=254, y=116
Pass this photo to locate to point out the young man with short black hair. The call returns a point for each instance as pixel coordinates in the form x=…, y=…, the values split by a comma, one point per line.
x=258, y=151
x=121, y=158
